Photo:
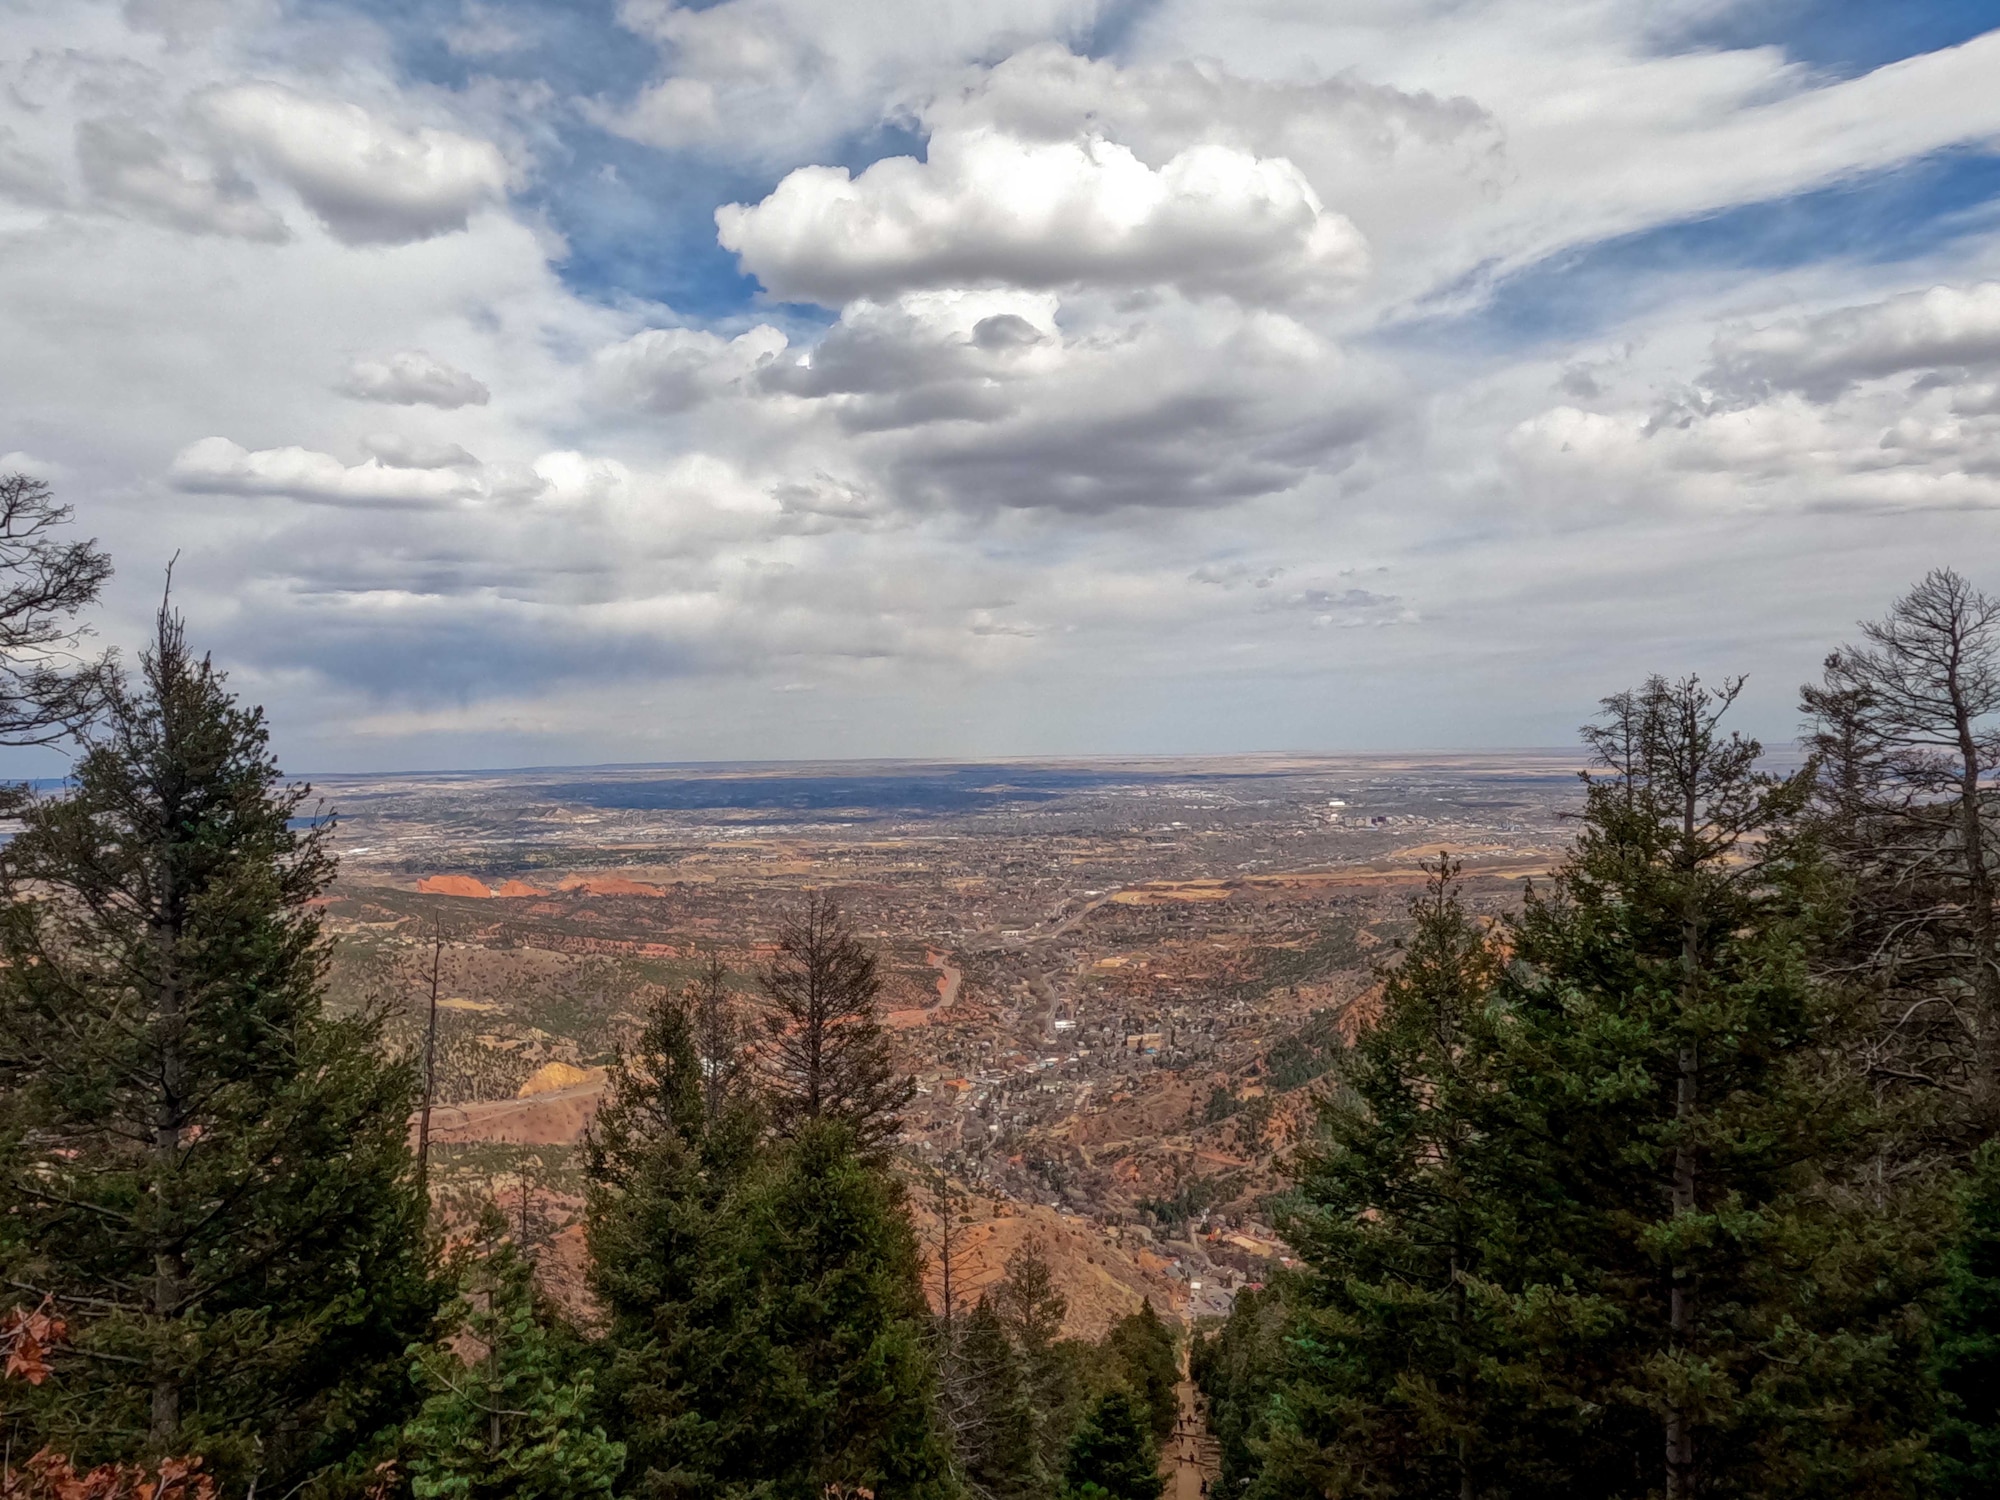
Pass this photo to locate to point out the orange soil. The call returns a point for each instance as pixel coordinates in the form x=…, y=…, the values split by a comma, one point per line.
x=611, y=885
x=556, y=1118
x=452, y=885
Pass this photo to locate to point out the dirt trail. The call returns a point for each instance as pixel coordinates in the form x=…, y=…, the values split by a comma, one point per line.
x=950, y=977
x=1192, y=1459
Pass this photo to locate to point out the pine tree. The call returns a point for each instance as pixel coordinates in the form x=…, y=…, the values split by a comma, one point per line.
x=1595, y=1222
x=209, y=1173
x=1143, y=1356
x=1698, y=1300
x=829, y=1374
x=1113, y=1455
x=1032, y=1310
x=1383, y=1388
x=1968, y=1340
x=767, y=1322
x=719, y=1042
x=501, y=1418
x=825, y=1055
x=989, y=1411
x=661, y=1173
x=1238, y=1367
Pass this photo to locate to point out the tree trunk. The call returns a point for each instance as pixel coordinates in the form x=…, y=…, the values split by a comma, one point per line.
x=169, y=1269
x=1680, y=1303
x=430, y=1065
x=1680, y=1294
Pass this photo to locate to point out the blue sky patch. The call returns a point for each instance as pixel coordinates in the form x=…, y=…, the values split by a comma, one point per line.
x=1909, y=210
x=1841, y=38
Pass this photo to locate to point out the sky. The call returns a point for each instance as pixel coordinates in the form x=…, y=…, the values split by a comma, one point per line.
x=535, y=382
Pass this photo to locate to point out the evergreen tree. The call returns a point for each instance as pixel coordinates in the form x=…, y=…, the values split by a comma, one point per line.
x=501, y=1419
x=1968, y=1340
x=768, y=1325
x=661, y=1175
x=1593, y=1222
x=1143, y=1357
x=830, y=1373
x=1696, y=1300
x=825, y=1055
x=1384, y=1389
x=1113, y=1455
x=1031, y=1310
x=209, y=1173
x=719, y=1041
x=989, y=1410
x=1238, y=1367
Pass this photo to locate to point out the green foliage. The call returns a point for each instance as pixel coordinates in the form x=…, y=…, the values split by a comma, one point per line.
x=767, y=1322
x=1310, y=1052
x=1593, y=1222
x=1031, y=1311
x=1140, y=1353
x=1968, y=1340
x=210, y=1174
x=1192, y=1198
x=505, y=1420
x=1237, y=1367
x=1113, y=1455
x=989, y=1409
x=1388, y=1336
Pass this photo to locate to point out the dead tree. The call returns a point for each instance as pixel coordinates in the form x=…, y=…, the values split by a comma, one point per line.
x=47, y=690
x=1904, y=733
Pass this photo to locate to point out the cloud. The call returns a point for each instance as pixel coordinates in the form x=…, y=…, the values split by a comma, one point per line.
x=484, y=32
x=401, y=452
x=1049, y=93
x=24, y=176
x=672, y=369
x=1785, y=455
x=217, y=466
x=136, y=170
x=1198, y=406
x=979, y=401
x=925, y=357
x=989, y=209
x=1944, y=328
x=771, y=80
x=411, y=377
x=368, y=181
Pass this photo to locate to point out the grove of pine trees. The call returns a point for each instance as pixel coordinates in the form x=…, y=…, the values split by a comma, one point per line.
x=1683, y=1179
x=1680, y=1181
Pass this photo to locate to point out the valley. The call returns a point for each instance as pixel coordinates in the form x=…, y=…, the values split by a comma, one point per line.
x=1115, y=983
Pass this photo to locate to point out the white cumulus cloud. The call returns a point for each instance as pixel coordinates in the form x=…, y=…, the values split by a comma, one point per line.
x=990, y=208
x=132, y=168
x=411, y=377
x=672, y=369
x=217, y=466
x=369, y=181
x=1944, y=328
